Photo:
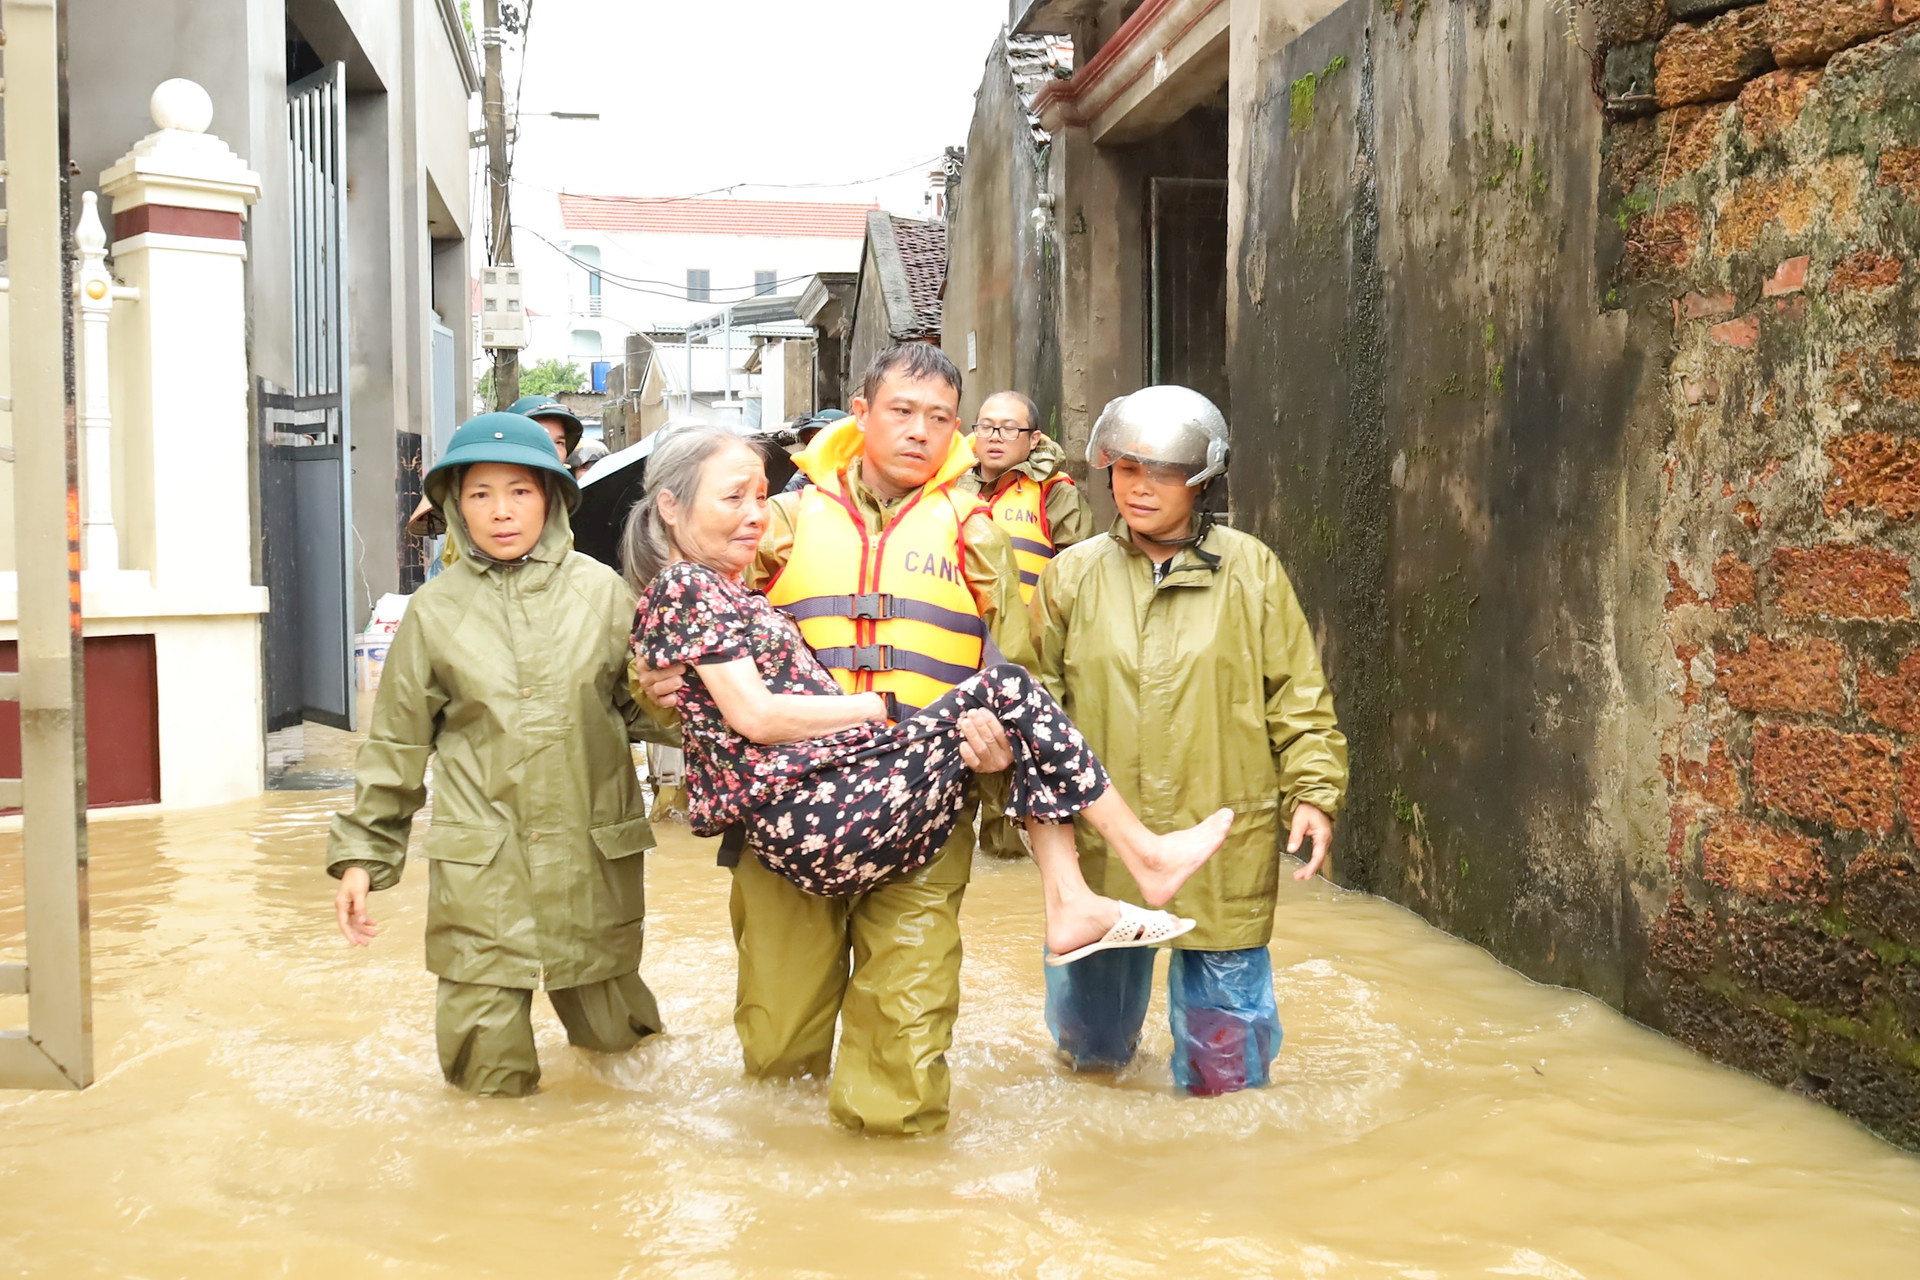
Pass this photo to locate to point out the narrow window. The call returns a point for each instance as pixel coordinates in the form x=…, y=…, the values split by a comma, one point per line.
x=699, y=286
x=764, y=282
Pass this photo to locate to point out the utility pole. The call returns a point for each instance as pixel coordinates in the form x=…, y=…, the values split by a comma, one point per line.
x=506, y=360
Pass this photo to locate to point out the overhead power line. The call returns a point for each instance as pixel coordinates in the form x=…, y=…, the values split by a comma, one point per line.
x=658, y=288
x=759, y=186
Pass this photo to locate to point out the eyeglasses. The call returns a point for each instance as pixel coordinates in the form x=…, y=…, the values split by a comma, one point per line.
x=995, y=431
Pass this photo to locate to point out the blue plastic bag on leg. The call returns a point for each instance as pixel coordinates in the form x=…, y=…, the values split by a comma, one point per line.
x=1226, y=1027
x=1096, y=1007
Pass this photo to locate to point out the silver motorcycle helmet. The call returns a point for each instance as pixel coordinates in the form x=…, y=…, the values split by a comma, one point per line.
x=1162, y=426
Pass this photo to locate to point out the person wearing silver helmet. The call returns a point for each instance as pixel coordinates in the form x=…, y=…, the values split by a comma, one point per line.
x=1174, y=620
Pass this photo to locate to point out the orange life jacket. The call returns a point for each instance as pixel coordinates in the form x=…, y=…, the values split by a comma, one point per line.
x=887, y=613
x=1021, y=510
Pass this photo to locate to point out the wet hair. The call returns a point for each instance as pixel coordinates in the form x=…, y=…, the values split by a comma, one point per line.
x=914, y=361
x=674, y=466
x=1027, y=406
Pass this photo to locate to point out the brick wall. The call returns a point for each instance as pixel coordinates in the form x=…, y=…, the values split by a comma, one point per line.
x=1761, y=179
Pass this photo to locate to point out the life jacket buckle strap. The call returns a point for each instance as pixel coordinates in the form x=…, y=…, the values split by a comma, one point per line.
x=872, y=657
x=871, y=606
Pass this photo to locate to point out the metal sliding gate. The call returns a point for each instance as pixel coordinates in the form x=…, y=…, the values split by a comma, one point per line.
x=56, y=1049
x=306, y=442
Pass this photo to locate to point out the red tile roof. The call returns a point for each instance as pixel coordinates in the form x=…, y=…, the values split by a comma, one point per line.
x=714, y=217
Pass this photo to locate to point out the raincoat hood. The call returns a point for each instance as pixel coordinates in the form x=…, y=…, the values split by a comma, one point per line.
x=555, y=540
x=834, y=449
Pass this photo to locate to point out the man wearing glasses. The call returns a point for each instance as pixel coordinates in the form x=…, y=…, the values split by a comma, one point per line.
x=1020, y=477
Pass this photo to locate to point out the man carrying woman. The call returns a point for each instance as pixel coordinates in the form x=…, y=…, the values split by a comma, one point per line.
x=899, y=585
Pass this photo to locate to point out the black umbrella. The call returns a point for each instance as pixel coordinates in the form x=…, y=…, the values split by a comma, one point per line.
x=613, y=485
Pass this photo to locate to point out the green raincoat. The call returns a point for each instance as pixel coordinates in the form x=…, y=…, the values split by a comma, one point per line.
x=514, y=679
x=1219, y=660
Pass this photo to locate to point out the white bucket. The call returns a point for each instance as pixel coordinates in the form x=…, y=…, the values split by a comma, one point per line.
x=369, y=657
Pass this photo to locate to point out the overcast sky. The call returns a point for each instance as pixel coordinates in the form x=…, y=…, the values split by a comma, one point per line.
x=698, y=94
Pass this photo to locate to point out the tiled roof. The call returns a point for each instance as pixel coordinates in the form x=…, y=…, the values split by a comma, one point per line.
x=713, y=217
x=1037, y=61
x=923, y=251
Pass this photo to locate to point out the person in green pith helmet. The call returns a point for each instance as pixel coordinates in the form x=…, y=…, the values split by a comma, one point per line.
x=510, y=672
x=561, y=426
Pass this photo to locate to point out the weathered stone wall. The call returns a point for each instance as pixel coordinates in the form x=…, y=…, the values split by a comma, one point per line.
x=1434, y=427
x=1000, y=261
x=1592, y=440
x=1773, y=215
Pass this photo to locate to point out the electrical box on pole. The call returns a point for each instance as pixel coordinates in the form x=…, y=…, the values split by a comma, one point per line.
x=503, y=320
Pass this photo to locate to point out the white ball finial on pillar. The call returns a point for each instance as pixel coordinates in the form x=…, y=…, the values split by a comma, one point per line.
x=181, y=104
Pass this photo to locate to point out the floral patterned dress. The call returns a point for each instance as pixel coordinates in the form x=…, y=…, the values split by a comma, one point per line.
x=843, y=813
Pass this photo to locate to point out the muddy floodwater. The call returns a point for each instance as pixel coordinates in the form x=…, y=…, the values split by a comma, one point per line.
x=268, y=1104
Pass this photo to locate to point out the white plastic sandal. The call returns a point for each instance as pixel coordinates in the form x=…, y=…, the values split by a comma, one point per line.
x=1136, y=927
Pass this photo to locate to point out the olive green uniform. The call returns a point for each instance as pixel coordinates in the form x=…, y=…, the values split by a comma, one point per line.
x=886, y=962
x=513, y=679
x=1218, y=658
x=1069, y=520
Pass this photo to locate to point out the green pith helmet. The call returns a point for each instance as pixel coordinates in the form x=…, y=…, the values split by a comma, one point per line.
x=500, y=437
x=548, y=407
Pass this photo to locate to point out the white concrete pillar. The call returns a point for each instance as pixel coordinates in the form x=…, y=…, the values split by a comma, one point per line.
x=180, y=201
x=94, y=292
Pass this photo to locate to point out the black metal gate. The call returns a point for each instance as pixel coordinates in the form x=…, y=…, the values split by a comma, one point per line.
x=306, y=442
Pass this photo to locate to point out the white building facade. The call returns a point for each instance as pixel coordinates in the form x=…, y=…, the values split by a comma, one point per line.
x=595, y=269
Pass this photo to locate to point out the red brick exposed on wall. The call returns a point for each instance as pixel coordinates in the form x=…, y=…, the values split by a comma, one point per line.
x=1835, y=581
x=1714, y=780
x=1800, y=675
x=1758, y=203
x=1697, y=306
x=1864, y=270
x=1659, y=242
x=1808, y=32
x=1900, y=167
x=1743, y=332
x=1688, y=137
x=1893, y=700
x=1843, y=780
x=1679, y=591
x=1874, y=470
x=1789, y=277
x=1772, y=102
x=1861, y=372
x=1732, y=580
x=1712, y=60
x=1763, y=861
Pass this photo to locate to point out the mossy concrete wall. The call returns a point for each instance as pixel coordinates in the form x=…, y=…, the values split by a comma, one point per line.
x=1001, y=261
x=1520, y=402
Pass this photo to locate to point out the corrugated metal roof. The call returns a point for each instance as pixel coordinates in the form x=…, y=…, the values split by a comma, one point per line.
x=713, y=217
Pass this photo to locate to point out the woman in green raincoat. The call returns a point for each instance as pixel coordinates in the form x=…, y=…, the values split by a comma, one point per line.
x=1173, y=621
x=510, y=670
